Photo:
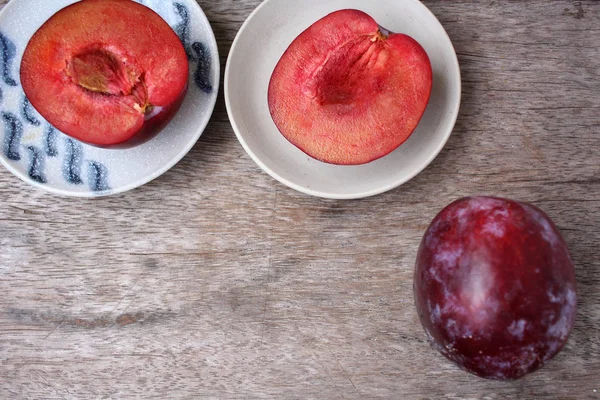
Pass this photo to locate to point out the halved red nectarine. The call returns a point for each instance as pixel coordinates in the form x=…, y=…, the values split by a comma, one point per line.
x=347, y=91
x=106, y=72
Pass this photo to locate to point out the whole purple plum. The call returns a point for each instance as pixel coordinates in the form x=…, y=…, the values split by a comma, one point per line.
x=495, y=287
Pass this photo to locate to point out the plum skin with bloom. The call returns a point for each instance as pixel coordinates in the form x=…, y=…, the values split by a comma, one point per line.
x=495, y=287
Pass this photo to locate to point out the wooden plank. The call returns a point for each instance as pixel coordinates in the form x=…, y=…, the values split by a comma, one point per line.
x=216, y=281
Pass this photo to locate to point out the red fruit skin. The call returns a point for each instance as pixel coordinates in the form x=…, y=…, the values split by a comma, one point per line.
x=495, y=287
x=152, y=126
x=143, y=50
x=347, y=94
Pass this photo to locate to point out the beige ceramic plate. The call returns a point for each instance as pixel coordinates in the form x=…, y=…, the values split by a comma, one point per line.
x=259, y=45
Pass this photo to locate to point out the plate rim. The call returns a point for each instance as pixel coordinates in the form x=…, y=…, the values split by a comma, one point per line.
x=167, y=166
x=331, y=195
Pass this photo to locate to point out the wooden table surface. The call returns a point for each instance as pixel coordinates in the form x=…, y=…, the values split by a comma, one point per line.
x=217, y=281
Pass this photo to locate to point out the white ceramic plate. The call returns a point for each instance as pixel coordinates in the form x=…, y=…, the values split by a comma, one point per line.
x=259, y=45
x=43, y=157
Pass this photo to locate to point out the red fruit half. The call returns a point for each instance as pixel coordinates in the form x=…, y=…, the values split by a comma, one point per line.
x=495, y=287
x=347, y=92
x=106, y=72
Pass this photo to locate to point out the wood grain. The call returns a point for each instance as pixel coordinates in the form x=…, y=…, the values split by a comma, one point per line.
x=215, y=281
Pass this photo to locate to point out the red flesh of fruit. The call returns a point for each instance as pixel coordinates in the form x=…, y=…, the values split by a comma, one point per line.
x=107, y=72
x=346, y=93
x=495, y=287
